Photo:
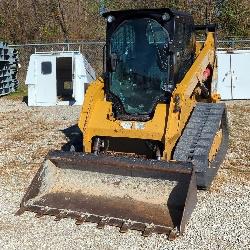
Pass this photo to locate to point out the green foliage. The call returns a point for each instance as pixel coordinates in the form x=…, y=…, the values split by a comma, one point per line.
x=93, y=7
x=51, y=20
x=1, y=21
x=234, y=18
x=21, y=92
x=50, y=31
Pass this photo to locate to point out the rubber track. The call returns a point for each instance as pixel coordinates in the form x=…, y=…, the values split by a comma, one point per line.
x=197, y=139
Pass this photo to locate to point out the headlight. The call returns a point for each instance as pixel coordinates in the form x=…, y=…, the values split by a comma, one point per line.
x=110, y=19
x=165, y=17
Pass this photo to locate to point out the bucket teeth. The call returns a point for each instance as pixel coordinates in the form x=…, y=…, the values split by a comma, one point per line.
x=39, y=214
x=20, y=211
x=57, y=218
x=81, y=219
x=101, y=224
x=42, y=212
x=60, y=216
x=148, y=231
x=125, y=227
x=47, y=211
x=93, y=218
x=173, y=234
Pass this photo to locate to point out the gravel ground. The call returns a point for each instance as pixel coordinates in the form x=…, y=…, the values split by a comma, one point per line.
x=220, y=220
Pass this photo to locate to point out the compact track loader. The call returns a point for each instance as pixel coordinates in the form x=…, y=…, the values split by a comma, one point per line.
x=153, y=130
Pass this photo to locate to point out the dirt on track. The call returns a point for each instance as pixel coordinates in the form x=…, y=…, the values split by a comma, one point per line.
x=220, y=220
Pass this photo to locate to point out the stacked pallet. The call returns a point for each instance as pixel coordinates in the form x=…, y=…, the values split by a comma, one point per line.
x=8, y=69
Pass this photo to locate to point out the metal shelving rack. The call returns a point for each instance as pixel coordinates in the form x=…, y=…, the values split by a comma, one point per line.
x=8, y=69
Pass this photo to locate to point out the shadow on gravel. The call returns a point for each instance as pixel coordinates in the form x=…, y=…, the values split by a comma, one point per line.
x=25, y=100
x=74, y=135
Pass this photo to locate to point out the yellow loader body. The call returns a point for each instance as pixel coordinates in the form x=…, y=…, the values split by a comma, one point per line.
x=140, y=165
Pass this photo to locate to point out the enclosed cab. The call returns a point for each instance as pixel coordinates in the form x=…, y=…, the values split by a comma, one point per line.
x=148, y=53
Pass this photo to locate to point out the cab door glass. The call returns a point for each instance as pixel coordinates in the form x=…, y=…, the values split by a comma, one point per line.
x=141, y=72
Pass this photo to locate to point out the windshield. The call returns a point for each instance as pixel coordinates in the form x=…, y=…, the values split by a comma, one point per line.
x=140, y=75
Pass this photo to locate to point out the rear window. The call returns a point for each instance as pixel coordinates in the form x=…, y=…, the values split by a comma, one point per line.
x=46, y=68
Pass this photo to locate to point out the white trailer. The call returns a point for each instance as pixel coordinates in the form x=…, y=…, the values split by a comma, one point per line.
x=58, y=78
x=233, y=74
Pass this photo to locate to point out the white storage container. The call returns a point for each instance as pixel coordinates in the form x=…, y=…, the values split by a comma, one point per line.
x=58, y=78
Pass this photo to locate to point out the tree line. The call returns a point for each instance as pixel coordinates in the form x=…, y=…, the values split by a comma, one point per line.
x=69, y=20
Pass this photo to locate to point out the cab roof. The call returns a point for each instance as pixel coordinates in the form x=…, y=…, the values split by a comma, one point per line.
x=139, y=12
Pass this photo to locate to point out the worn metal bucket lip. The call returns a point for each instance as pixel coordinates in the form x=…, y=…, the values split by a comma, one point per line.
x=124, y=162
x=101, y=221
x=184, y=168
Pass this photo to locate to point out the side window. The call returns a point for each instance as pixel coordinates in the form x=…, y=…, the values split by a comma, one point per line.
x=155, y=33
x=190, y=39
x=189, y=34
x=180, y=34
x=123, y=40
x=46, y=68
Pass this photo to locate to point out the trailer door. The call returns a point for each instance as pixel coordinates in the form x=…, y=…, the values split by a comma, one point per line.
x=240, y=75
x=46, y=80
x=225, y=87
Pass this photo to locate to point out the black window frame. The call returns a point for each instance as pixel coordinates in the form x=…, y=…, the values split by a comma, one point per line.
x=46, y=68
x=119, y=110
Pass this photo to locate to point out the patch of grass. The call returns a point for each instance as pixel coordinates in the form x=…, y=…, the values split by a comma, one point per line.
x=20, y=93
